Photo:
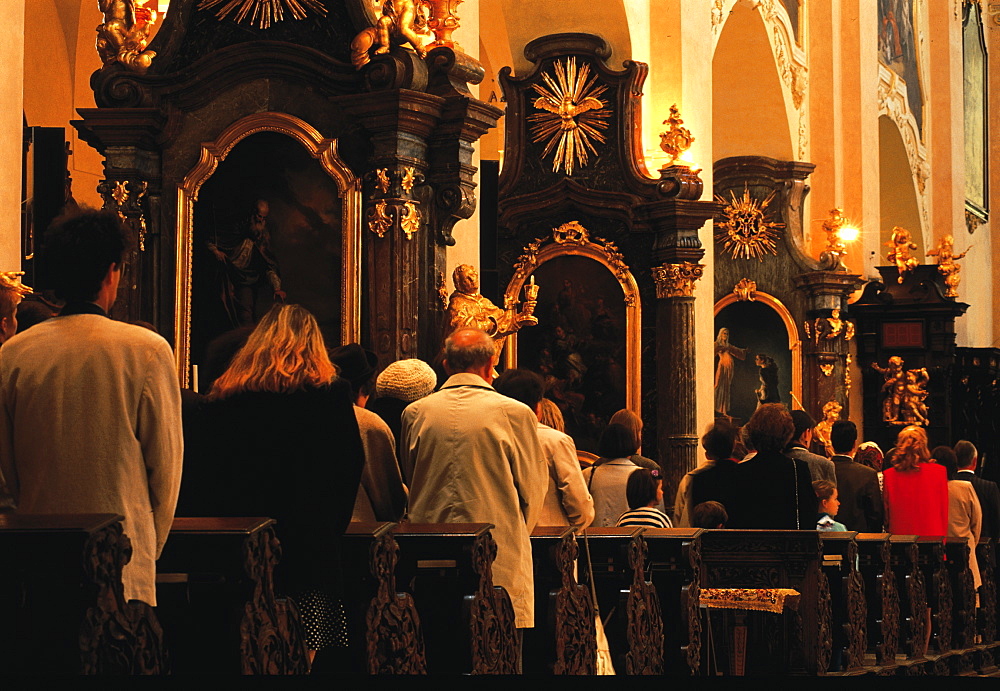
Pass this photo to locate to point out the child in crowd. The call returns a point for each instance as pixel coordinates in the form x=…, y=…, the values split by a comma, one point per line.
x=644, y=492
x=709, y=514
x=829, y=505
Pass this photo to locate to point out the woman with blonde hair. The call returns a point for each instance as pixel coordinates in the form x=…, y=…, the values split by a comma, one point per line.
x=916, y=489
x=278, y=437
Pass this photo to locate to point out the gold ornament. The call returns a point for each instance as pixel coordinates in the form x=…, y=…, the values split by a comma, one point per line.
x=123, y=36
x=378, y=218
x=263, y=13
x=833, y=256
x=847, y=377
x=677, y=139
x=401, y=21
x=746, y=234
x=899, y=252
x=11, y=280
x=904, y=393
x=827, y=370
x=573, y=115
x=407, y=179
x=948, y=264
x=409, y=220
x=746, y=290
x=443, y=21
x=468, y=308
x=382, y=180
x=676, y=280
x=831, y=413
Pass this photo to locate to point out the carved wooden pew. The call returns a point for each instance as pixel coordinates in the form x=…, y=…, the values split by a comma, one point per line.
x=905, y=560
x=881, y=597
x=215, y=586
x=987, y=621
x=62, y=604
x=675, y=570
x=963, y=601
x=792, y=644
x=467, y=622
x=847, y=597
x=930, y=550
x=384, y=628
x=635, y=631
x=563, y=640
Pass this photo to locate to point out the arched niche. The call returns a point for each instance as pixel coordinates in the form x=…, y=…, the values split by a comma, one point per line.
x=303, y=138
x=761, y=325
x=899, y=198
x=589, y=314
x=747, y=82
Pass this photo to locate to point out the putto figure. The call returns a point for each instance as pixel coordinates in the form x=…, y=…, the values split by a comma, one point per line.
x=899, y=252
x=904, y=392
x=402, y=21
x=468, y=308
x=948, y=264
x=125, y=33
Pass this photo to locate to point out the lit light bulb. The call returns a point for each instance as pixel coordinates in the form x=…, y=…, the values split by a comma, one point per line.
x=848, y=233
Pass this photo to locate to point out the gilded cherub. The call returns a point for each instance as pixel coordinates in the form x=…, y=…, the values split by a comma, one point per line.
x=913, y=409
x=125, y=33
x=899, y=252
x=893, y=387
x=402, y=21
x=948, y=264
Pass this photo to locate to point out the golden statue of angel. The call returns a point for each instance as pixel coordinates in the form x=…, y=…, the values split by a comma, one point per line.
x=948, y=264
x=899, y=252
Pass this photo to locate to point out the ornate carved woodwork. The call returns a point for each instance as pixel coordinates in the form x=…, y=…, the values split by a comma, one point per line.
x=645, y=626
x=939, y=592
x=675, y=566
x=986, y=557
x=63, y=601
x=875, y=562
x=217, y=599
x=491, y=629
x=913, y=320
x=849, y=609
x=963, y=591
x=913, y=593
x=384, y=618
x=653, y=222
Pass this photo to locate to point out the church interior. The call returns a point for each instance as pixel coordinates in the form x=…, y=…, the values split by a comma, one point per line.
x=683, y=208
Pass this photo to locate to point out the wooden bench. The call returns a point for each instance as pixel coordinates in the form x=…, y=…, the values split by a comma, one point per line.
x=467, y=621
x=881, y=598
x=215, y=586
x=905, y=560
x=384, y=627
x=798, y=642
x=986, y=662
x=635, y=631
x=563, y=640
x=62, y=602
x=847, y=597
x=930, y=550
x=675, y=570
x=963, y=602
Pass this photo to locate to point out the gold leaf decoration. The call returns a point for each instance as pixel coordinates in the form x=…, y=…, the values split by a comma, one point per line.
x=263, y=13
x=573, y=115
x=746, y=233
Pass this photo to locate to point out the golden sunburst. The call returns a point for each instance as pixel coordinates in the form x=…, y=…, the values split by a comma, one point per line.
x=745, y=233
x=263, y=13
x=573, y=115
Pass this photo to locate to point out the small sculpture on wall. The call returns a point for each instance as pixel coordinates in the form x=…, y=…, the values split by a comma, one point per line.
x=832, y=327
x=123, y=36
x=746, y=233
x=831, y=413
x=904, y=393
x=948, y=264
x=899, y=252
x=402, y=21
x=467, y=307
x=725, y=351
x=767, y=392
x=677, y=139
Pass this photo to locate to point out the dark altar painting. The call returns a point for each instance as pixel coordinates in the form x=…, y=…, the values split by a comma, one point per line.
x=579, y=344
x=753, y=329
x=897, y=49
x=792, y=8
x=268, y=222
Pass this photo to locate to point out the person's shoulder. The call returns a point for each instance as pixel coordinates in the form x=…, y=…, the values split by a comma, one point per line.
x=551, y=434
x=368, y=419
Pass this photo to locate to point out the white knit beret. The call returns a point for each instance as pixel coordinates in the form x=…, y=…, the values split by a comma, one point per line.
x=407, y=380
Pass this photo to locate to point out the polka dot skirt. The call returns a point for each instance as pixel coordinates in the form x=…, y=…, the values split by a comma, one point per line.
x=323, y=619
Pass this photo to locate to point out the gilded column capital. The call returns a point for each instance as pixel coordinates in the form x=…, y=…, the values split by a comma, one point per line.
x=676, y=280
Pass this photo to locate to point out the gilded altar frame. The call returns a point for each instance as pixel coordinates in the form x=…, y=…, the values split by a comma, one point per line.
x=794, y=342
x=572, y=239
x=212, y=154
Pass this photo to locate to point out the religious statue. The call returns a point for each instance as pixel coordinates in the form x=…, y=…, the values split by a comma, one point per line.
x=248, y=265
x=831, y=413
x=767, y=392
x=125, y=33
x=904, y=393
x=402, y=21
x=899, y=252
x=468, y=308
x=833, y=327
x=948, y=264
x=724, y=370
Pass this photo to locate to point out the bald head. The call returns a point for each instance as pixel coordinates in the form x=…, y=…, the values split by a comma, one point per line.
x=470, y=350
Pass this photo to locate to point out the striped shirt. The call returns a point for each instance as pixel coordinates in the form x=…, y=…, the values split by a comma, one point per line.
x=645, y=517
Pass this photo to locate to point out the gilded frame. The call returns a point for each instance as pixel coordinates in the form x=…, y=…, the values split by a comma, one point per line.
x=572, y=239
x=794, y=342
x=212, y=153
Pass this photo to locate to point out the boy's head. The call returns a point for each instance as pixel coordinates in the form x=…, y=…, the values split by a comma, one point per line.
x=843, y=436
x=826, y=492
x=709, y=514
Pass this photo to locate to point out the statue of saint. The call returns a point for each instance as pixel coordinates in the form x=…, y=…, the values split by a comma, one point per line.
x=767, y=392
x=724, y=370
x=248, y=265
x=468, y=308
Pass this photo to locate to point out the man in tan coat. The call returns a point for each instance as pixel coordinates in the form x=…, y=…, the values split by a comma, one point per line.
x=476, y=459
x=90, y=407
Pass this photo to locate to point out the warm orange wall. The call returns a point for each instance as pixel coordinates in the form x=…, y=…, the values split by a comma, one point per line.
x=11, y=55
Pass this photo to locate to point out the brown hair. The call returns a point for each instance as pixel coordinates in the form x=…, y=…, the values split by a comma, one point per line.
x=770, y=427
x=824, y=489
x=284, y=353
x=631, y=420
x=911, y=449
x=552, y=416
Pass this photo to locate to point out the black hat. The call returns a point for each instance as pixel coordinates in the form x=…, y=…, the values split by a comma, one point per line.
x=357, y=364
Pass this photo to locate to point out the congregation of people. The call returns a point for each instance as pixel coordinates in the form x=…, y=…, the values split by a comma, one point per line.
x=312, y=434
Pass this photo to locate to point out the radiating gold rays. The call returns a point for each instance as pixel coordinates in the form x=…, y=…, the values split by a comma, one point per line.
x=746, y=233
x=263, y=13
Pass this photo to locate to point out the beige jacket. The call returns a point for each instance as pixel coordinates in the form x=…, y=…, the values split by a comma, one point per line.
x=965, y=519
x=567, y=501
x=90, y=422
x=475, y=458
